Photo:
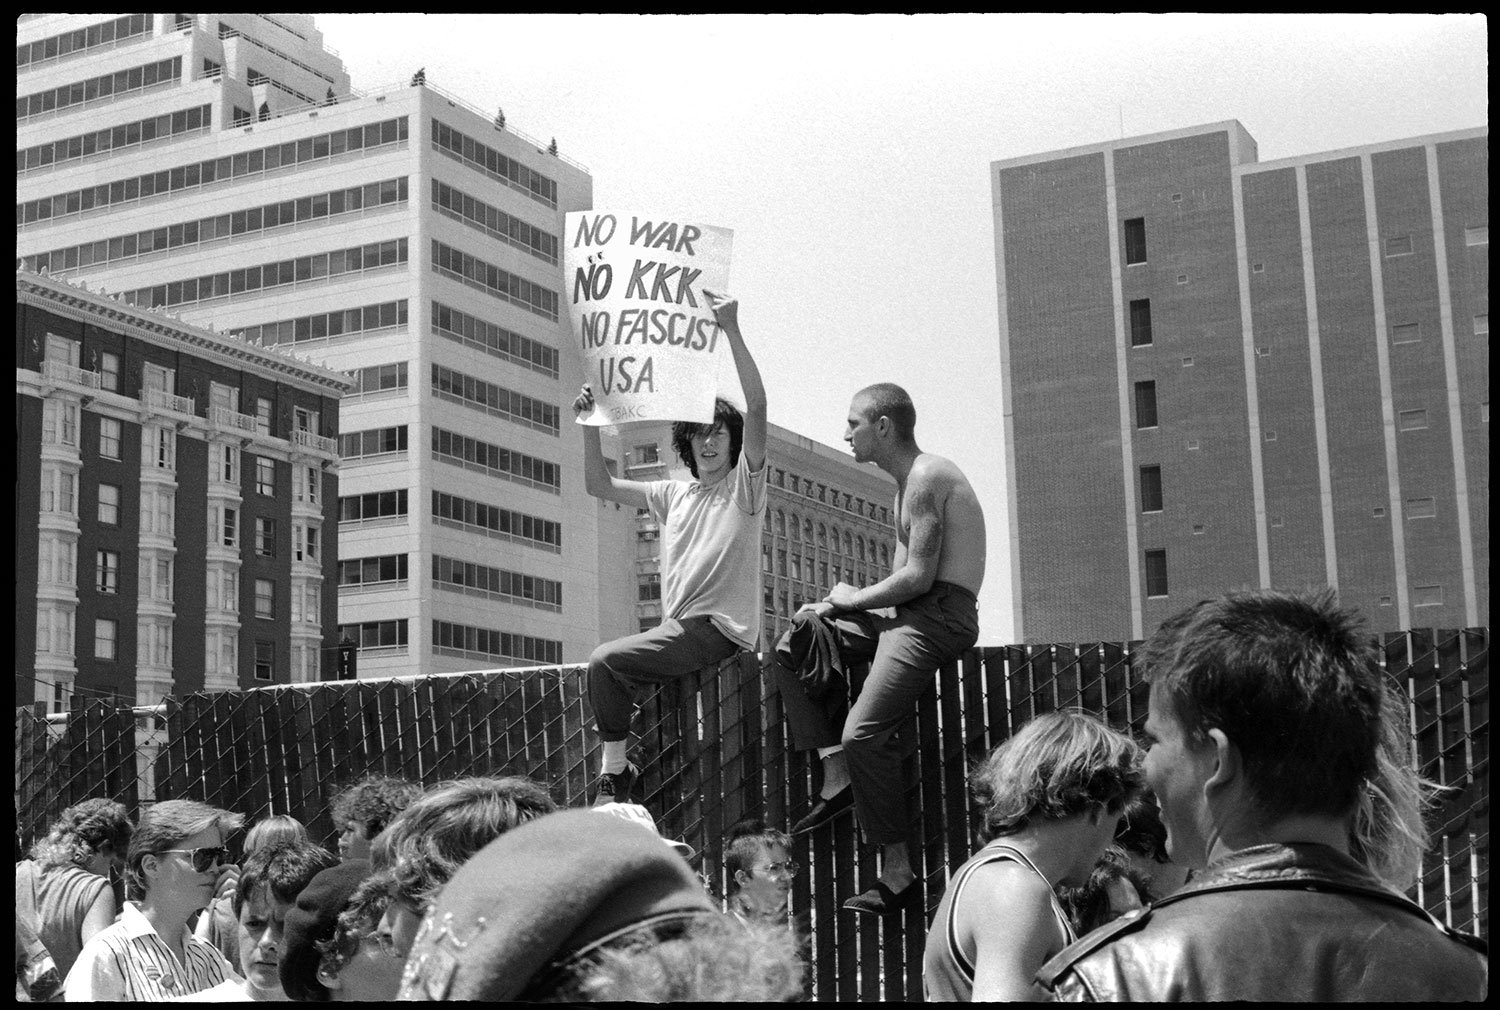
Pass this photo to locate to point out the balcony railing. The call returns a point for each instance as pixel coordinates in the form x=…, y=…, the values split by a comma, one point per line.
x=231, y=420
x=160, y=399
x=317, y=443
x=59, y=371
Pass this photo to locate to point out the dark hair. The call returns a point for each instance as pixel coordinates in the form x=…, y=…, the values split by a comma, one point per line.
x=1141, y=831
x=373, y=802
x=284, y=867
x=163, y=826
x=82, y=831
x=886, y=399
x=727, y=417
x=1088, y=906
x=1294, y=684
x=1057, y=765
x=437, y=834
x=360, y=918
x=745, y=840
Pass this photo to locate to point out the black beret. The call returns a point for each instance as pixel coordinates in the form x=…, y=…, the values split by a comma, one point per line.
x=312, y=919
x=541, y=892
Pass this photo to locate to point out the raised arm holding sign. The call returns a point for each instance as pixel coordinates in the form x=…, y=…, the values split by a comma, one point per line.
x=710, y=552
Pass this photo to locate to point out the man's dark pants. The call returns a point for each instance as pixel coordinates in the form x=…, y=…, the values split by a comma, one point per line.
x=904, y=653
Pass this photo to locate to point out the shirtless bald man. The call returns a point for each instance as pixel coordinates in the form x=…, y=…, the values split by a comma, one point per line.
x=939, y=566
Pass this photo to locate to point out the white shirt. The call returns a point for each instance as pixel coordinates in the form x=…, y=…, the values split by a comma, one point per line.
x=710, y=549
x=129, y=961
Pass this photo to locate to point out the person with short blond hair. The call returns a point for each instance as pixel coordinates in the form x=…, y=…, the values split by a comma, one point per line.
x=1053, y=795
x=173, y=868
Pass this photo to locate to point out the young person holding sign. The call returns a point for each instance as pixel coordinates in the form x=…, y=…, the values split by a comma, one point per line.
x=710, y=554
x=939, y=566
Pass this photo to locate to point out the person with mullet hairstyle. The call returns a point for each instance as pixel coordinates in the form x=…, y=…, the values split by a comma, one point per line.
x=710, y=555
x=1053, y=796
x=1271, y=755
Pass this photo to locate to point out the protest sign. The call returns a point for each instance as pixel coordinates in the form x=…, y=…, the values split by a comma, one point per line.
x=651, y=349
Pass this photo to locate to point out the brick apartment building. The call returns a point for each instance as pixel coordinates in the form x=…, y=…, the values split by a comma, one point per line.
x=1222, y=373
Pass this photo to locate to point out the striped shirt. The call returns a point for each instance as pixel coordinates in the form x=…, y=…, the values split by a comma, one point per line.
x=129, y=961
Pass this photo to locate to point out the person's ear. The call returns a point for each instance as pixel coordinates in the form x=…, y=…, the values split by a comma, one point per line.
x=742, y=877
x=328, y=979
x=1227, y=763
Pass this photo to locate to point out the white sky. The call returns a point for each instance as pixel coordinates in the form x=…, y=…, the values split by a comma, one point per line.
x=850, y=155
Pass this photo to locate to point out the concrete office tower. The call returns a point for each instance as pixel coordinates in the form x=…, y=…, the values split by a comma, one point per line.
x=221, y=167
x=828, y=520
x=176, y=518
x=1221, y=373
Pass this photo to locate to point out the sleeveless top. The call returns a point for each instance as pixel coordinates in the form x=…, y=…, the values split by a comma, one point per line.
x=948, y=972
x=64, y=895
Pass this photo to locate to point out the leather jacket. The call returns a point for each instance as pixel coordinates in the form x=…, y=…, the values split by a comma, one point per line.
x=1297, y=922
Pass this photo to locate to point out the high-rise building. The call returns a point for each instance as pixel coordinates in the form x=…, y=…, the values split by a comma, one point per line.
x=828, y=520
x=1221, y=373
x=176, y=508
x=221, y=167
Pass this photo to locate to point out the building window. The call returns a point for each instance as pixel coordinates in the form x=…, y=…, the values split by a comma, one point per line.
x=105, y=635
x=1150, y=489
x=1411, y=420
x=1477, y=235
x=60, y=423
x=265, y=660
x=109, y=371
x=1135, y=240
x=109, y=438
x=265, y=598
x=263, y=415
x=227, y=459
x=265, y=537
x=109, y=504
x=1421, y=508
x=1140, y=322
x=1156, y=573
x=161, y=583
x=265, y=476
x=1145, y=404
x=161, y=448
x=649, y=588
x=1398, y=245
x=1427, y=596
x=59, y=491
x=108, y=580
x=1406, y=333
x=231, y=527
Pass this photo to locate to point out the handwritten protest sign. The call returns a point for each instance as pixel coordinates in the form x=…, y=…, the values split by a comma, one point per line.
x=651, y=349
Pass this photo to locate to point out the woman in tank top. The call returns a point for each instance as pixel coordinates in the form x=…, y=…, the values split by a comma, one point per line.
x=1053, y=794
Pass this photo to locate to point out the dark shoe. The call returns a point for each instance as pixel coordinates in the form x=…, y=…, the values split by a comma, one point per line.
x=825, y=810
x=881, y=900
x=614, y=787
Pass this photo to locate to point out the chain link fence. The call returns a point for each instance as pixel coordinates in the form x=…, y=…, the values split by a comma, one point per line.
x=713, y=748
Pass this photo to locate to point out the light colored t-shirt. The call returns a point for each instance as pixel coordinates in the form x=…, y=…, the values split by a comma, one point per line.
x=710, y=549
x=129, y=961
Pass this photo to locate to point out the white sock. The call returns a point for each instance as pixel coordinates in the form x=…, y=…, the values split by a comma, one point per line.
x=614, y=756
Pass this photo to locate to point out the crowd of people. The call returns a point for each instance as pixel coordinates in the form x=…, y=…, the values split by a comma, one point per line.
x=1255, y=843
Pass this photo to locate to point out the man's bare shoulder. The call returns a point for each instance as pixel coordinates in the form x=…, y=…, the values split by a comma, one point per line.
x=932, y=469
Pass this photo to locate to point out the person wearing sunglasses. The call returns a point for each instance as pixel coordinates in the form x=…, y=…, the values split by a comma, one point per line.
x=173, y=868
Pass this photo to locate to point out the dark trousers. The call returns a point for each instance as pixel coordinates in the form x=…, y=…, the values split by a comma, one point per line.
x=668, y=651
x=904, y=652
